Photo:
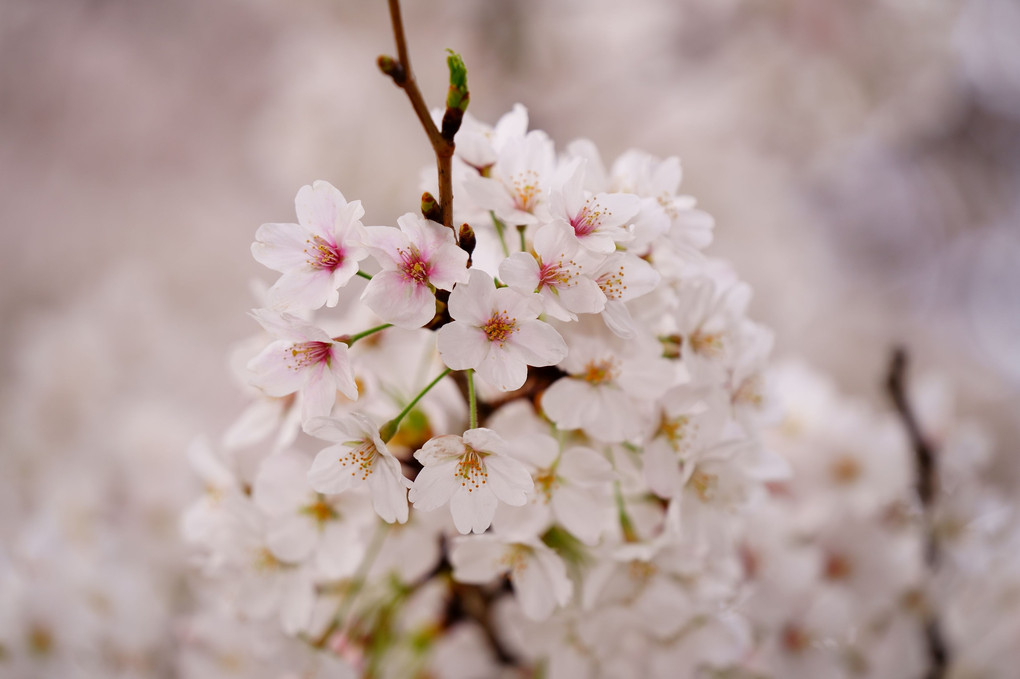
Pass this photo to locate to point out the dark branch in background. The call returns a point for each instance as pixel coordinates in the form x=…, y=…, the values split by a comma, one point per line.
x=927, y=489
x=457, y=98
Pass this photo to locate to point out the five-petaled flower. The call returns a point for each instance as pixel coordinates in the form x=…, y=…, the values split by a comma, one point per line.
x=497, y=333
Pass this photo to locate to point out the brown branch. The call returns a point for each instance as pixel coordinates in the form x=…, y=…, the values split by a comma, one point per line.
x=927, y=489
x=403, y=76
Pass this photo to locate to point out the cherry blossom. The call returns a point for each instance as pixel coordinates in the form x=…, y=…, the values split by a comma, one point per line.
x=473, y=474
x=417, y=258
x=316, y=256
x=497, y=333
x=305, y=360
x=358, y=457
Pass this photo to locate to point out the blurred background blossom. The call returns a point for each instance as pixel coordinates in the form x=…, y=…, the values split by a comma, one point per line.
x=862, y=162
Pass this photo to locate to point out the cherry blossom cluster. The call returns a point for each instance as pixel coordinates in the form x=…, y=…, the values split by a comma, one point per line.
x=525, y=442
x=845, y=575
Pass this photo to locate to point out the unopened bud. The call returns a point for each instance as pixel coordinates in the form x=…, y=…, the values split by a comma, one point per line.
x=430, y=207
x=466, y=239
x=392, y=68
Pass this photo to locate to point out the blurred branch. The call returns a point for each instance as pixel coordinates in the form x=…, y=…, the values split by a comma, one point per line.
x=927, y=488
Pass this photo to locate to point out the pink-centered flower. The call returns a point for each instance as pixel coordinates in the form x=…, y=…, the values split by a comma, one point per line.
x=497, y=333
x=316, y=256
x=473, y=474
x=303, y=359
x=599, y=221
x=556, y=272
x=416, y=258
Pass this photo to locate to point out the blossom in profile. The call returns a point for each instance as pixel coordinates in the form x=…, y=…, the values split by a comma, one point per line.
x=318, y=255
x=473, y=473
x=358, y=457
x=497, y=333
x=303, y=359
x=417, y=258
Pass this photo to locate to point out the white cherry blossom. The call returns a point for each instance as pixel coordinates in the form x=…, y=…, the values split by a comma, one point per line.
x=316, y=256
x=497, y=333
x=358, y=457
x=473, y=474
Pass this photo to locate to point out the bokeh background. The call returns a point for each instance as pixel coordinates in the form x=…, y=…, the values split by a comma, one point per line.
x=862, y=161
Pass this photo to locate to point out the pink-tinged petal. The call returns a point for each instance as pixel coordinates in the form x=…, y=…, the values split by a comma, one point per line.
x=283, y=325
x=613, y=417
x=618, y=210
x=567, y=402
x=582, y=296
x=585, y=466
x=489, y=194
x=486, y=440
x=555, y=240
x=274, y=373
x=537, y=450
x=462, y=346
x=580, y=512
x=341, y=549
x=662, y=469
x=509, y=480
x=331, y=473
x=297, y=600
x=434, y=486
x=341, y=372
x=500, y=368
x=347, y=270
x=517, y=305
x=648, y=378
x=292, y=538
x=347, y=224
x=317, y=207
x=448, y=266
x=541, y=584
x=319, y=393
x=477, y=559
x=639, y=276
x=472, y=511
x=520, y=271
x=440, y=449
x=537, y=343
x=335, y=429
x=472, y=302
x=280, y=487
x=389, y=490
x=385, y=244
x=396, y=300
x=618, y=319
x=281, y=247
x=599, y=242
x=303, y=290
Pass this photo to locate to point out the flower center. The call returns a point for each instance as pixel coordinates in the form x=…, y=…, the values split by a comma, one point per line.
x=707, y=344
x=795, y=639
x=845, y=470
x=545, y=483
x=516, y=558
x=413, y=267
x=308, y=353
x=471, y=470
x=320, y=511
x=555, y=274
x=360, y=458
x=599, y=372
x=611, y=283
x=674, y=430
x=525, y=190
x=499, y=327
x=704, y=485
x=838, y=567
x=323, y=255
x=589, y=219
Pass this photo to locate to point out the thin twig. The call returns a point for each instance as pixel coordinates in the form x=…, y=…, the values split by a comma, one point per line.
x=442, y=147
x=927, y=489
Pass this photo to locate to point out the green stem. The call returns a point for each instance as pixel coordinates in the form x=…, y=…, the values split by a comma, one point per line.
x=520, y=229
x=472, y=402
x=371, y=331
x=500, y=229
x=364, y=275
x=388, y=430
x=629, y=534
